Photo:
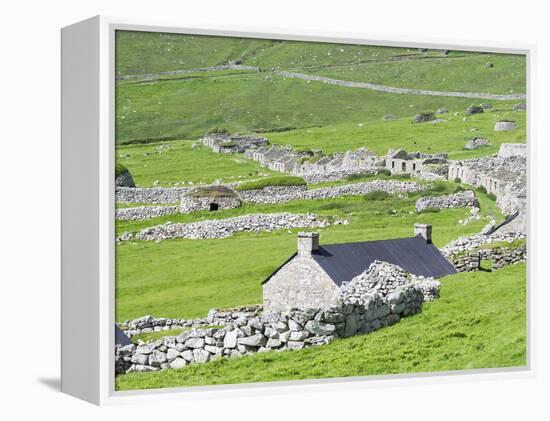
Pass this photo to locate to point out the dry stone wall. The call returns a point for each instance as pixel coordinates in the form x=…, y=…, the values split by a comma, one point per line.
x=466, y=253
x=362, y=309
x=222, y=228
x=271, y=195
x=140, y=213
x=154, y=195
x=498, y=256
x=456, y=200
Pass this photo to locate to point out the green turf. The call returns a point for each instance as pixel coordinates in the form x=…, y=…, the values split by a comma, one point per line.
x=478, y=322
x=185, y=278
x=149, y=52
x=153, y=336
x=449, y=136
x=280, y=180
x=180, y=163
x=188, y=108
x=462, y=73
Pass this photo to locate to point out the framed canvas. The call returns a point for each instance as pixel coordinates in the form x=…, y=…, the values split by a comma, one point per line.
x=259, y=210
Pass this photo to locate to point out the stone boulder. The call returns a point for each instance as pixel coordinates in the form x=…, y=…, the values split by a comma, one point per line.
x=474, y=109
x=505, y=125
x=424, y=117
x=124, y=179
x=476, y=142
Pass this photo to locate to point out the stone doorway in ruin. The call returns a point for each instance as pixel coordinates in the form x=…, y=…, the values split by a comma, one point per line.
x=214, y=206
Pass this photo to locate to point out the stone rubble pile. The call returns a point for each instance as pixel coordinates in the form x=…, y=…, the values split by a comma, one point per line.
x=222, y=228
x=457, y=200
x=141, y=213
x=270, y=195
x=381, y=278
x=247, y=332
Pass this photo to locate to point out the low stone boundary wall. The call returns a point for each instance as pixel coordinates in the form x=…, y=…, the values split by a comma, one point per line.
x=363, y=308
x=456, y=200
x=147, y=324
x=314, y=178
x=222, y=228
x=498, y=256
x=466, y=253
x=141, y=213
x=464, y=244
x=153, y=195
x=269, y=195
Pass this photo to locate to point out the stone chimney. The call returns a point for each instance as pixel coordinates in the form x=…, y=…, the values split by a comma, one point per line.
x=425, y=230
x=307, y=242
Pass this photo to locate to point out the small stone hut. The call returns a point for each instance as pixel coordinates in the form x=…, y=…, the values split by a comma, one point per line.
x=313, y=275
x=210, y=198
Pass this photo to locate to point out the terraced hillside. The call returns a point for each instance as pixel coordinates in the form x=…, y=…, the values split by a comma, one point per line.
x=185, y=106
x=173, y=89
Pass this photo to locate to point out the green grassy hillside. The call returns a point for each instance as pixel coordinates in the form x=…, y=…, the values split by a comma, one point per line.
x=479, y=322
x=186, y=278
x=186, y=106
x=180, y=162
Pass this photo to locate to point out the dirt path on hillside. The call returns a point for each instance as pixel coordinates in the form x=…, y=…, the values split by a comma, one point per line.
x=394, y=90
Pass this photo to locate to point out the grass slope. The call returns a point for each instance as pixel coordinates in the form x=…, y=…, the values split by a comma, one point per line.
x=186, y=278
x=181, y=163
x=462, y=73
x=479, y=322
x=379, y=136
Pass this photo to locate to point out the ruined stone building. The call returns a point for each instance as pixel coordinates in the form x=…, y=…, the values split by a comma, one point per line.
x=504, y=175
x=225, y=143
x=401, y=162
x=313, y=275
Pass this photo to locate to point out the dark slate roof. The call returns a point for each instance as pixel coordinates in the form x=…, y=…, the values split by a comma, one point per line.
x=121, y=338
x=343, y=262
x=502, y=224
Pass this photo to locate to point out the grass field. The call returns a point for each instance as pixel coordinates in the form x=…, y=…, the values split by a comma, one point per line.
x=186, y=278
x=180, y=163
x=479, y=322
x=449, y=136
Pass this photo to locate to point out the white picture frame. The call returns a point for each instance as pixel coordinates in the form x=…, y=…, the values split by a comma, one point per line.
x=88, y=271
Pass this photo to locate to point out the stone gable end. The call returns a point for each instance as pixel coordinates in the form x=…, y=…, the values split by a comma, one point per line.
x=301, y=283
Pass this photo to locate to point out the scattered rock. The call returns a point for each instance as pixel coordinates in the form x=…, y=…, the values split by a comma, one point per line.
x=474, y=109
x=477, y=142
x=424, y=117
x=505, y=125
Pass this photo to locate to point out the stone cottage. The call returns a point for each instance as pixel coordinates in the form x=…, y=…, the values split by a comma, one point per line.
x=210, y=198
x=313, y=275
x=401, y=162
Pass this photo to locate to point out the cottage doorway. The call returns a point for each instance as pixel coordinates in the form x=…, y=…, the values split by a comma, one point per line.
x=214, y=206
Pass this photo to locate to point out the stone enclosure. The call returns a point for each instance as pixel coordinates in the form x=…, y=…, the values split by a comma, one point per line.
x=378, y=298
